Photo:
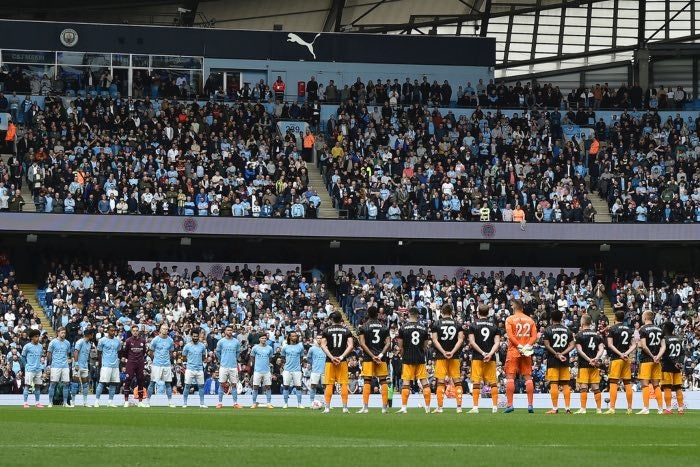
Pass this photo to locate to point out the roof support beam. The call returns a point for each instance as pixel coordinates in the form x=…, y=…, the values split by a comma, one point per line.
x=335, y=16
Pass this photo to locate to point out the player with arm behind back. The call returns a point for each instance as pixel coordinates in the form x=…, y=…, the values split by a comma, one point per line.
x=317, y=360
x=337, y=344
x=413, y=343
x=590, y=349
x=650, y=338
x=162, y=347
x=31, y=353
x=194, y=352
x=559, y=342
x=227, y=352
x=260, y=355
x=672, y=368
x=484, y=340
x=291, y=374
x=374, y=341
x=108, y=355
x=448, y=338
x=57, y=358
x=135, y=353
x=621, y=346
x=81, y=363
x=522, y=334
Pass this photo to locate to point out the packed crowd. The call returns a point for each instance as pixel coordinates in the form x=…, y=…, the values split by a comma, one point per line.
x=413, y=163
x=125, y=156
x=673, y=298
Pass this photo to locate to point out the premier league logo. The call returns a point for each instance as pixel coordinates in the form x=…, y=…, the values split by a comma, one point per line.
x=69, y=37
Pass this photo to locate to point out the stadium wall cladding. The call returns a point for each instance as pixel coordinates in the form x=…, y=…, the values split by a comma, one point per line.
x=258, y=45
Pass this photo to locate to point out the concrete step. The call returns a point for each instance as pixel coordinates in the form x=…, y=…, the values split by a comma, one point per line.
x=26, y=193
x=29, y=292
x=327, y=211
x=337, y=307
x=601, y=206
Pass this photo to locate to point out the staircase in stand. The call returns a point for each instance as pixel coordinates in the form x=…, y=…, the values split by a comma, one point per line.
x=30, y=293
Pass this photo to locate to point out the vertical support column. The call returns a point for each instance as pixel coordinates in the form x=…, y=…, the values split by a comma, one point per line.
x=642, y=59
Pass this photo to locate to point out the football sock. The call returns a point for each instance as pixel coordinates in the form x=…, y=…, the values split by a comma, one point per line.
x=126, y=392
x=169, y=390
x=113, y=389
x=100, y=388
x=329, y=394
x=476, y=392
x=405, y=392
x=268, y=395
x=344, y=394
x=598, y=399
x=494, y=395
x=37, y=393
x=312, y=395
x=584, y=399
x=74, y=388
x=510, y=391
x=255, y=395
x=234, y=393
x=151, y=389
x=285, y=394
x=221, y=393
x=645, y=396
x=140, y=391
x=613, y=395
x=427, y=395
x=201, y=394
x=554, y=393
x=299, y=394
x=185, y=393
x=85, y=392
x=658, y=397
x=668, y=397
x=458, y=394
x=440, y=394
x=366, y=391
x=385, y=395
x=679, y=398
x=629, y=394
x=530, y=389
x=66, y=393
x=567, y=396
x=52, y=390
x=25, y=392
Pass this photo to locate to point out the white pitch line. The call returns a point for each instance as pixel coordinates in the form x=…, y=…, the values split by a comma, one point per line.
x=328, y=445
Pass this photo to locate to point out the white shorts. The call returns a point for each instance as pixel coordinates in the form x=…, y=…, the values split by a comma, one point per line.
x=291, y=378
x=316, y=379
x=194, y=376
x=162, y=373
x=33, y=378
x=109, y=375
x=83, y=373
x=228, y=375
x=60, y=375
x=262, y=379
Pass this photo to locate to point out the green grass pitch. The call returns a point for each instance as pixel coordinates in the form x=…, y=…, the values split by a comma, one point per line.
x=193, y=436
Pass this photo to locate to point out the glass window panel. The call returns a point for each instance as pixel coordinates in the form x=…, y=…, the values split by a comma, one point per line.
x=520, y=47
x=172, y=61
x=172, y=83
x=140, y=61
x=628, y=14
x=574, y=21
x=548, y=30
x=120, y=60
x=552, y=17
x=525, y=19
x=27, y=56
x=604, y=21
x=521, y=38
x=84, y=59
x=546, y=48
x=624, y=41
x=27, y=79
x=573, y=49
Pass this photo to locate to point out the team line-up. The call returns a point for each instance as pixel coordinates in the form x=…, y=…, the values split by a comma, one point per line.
x=661, y=354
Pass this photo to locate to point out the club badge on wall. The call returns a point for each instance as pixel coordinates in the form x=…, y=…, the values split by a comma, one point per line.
x=69, y=37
